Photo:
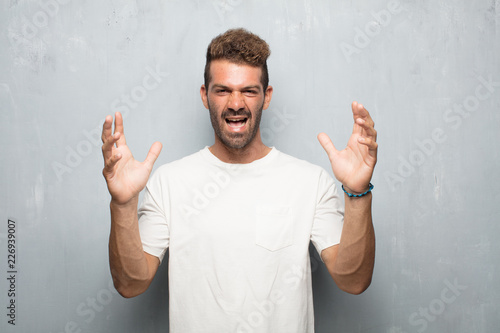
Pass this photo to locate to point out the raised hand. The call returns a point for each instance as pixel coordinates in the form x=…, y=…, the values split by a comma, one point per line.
x=354, y=165
x=124, y=176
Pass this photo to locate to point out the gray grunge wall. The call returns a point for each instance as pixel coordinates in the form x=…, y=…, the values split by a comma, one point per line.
x=428, y=71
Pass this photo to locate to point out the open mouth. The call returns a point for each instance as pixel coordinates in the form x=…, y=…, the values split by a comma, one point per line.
x=236, y=123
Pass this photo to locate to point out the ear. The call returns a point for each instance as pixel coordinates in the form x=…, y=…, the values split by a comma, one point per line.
x=267, y=96
x=203, y=94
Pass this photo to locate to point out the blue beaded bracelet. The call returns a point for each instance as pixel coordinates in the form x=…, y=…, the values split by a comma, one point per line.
x=370, y=188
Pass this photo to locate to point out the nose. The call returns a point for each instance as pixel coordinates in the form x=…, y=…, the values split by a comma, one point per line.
x=236, y=101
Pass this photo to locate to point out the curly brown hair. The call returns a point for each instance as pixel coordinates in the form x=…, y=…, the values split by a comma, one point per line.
x=239, y=46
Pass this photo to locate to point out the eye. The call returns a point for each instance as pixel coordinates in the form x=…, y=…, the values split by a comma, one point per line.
x=221, y=91
x=250, y=92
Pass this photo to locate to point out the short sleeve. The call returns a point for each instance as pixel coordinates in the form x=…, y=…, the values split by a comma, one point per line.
x=329, y=214
x=153, y=225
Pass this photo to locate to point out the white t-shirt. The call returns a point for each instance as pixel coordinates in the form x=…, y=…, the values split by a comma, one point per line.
x=238, y=237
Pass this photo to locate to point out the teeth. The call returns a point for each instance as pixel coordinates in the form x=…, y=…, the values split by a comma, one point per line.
x=236, y=123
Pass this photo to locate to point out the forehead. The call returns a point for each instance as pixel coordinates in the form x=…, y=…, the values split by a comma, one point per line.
x=224, y=72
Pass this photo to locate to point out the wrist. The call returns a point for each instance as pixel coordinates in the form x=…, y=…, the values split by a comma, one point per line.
x=351, y=193
x=123, y=205
x=124, y=214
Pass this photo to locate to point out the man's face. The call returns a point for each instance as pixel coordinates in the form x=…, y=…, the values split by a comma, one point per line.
x=235, y=98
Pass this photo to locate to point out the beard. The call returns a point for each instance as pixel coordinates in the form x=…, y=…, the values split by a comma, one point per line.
x=236, y=140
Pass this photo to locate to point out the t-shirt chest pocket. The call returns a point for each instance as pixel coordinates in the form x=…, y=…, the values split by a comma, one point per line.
x=274, y=227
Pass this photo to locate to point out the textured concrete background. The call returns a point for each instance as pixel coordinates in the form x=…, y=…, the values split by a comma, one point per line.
x=428, y=72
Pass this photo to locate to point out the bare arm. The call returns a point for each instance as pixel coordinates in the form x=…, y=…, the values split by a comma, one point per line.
x=351, y=262
x=131, y=268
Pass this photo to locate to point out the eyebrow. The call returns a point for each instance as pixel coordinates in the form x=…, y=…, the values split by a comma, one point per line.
x=215, y=85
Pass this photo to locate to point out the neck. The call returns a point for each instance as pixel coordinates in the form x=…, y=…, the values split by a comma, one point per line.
x=254, y=151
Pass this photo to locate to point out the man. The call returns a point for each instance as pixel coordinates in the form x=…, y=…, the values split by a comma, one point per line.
x=238, y=216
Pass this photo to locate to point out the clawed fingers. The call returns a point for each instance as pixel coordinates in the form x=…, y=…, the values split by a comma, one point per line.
x=110, y=163
x=109, y=142
x=119, y=129
x=369, y=142
x=363, y=122
x=367, y=126
x=107, y=128
x=359, y=110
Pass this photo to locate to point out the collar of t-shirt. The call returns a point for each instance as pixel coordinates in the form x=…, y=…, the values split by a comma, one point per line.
x=211, y=158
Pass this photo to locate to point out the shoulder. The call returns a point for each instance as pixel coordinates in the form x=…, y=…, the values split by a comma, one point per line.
x=299, y=164
x=180, y=166
x=323, y=180
x=304, y=171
